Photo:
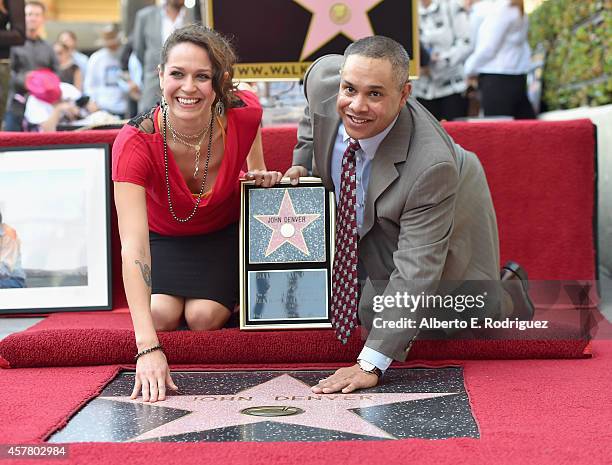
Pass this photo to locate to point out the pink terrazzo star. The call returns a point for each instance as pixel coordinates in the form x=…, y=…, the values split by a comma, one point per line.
x=330, y=18
x=287, y=226
x=326, y=411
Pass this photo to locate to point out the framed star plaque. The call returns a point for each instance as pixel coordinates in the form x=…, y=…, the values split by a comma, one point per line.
x=279, y=39
x=286, y=255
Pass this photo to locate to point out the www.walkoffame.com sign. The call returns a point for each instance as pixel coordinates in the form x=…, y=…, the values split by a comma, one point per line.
x=279, y=39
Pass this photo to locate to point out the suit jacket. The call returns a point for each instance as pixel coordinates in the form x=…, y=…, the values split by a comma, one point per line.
x=428, y=215
x=147, y=47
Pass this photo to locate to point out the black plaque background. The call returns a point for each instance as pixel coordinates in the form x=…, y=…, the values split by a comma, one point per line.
x=275, y=30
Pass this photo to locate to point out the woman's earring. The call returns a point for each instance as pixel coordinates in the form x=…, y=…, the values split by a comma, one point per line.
x=219, y=108
x=163, y=103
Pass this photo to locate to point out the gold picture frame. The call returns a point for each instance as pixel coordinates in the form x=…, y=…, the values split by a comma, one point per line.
x=286, y=255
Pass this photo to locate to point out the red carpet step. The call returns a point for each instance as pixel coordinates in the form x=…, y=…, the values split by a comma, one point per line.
x=103, y=338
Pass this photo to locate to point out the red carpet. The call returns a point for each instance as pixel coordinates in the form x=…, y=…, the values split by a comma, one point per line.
x=534, y=412
x=102, y=338
x=529, y=411
x=544, y=214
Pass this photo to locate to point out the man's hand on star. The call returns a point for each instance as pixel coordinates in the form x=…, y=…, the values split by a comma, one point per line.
x=347, y=380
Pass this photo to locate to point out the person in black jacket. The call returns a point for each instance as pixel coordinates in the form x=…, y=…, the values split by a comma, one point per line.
x=34, y=54
x=12, y=33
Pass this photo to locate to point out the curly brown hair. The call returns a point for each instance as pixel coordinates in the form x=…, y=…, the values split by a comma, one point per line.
x=219, y=49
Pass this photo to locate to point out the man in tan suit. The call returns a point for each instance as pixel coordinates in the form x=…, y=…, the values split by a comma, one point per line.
x=424, y=212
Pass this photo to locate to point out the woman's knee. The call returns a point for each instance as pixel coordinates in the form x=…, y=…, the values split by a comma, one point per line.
x=166, y=311
x=205, y=315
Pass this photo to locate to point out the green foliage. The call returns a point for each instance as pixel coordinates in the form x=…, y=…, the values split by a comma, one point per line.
x=576, y=37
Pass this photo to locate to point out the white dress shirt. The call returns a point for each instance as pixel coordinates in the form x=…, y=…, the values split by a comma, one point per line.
x=102, y=81
x=168, y=25
x=501, y=43
x=478, y=12
x=363, y=168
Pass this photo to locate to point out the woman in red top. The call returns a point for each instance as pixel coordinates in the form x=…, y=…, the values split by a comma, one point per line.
x=176, y=171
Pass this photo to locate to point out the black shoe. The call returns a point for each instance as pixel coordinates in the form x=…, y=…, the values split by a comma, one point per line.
x=515, y=282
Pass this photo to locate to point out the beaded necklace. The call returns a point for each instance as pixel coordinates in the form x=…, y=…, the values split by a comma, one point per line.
x=196, y=144
x=200, y=194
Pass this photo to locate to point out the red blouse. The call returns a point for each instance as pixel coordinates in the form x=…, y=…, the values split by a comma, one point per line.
x=138, y=158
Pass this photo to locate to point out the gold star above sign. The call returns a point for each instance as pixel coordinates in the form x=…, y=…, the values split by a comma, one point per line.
x=340, y=13
x=349, y=17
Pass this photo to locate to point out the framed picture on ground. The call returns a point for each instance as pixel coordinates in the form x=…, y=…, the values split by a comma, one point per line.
x=286, y=255
x=55, y=229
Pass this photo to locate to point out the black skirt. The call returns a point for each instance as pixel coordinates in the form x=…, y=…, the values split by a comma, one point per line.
x=201, y=267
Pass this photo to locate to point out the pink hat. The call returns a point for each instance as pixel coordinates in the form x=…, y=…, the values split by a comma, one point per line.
x=44, y=85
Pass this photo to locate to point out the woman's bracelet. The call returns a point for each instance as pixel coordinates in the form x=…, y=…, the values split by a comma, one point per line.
x=148, y=351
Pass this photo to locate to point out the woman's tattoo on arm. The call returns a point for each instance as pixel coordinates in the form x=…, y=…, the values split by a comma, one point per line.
x=146, y=273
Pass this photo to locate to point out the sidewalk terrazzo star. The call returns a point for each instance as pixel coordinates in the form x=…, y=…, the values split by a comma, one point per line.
x=327, y=411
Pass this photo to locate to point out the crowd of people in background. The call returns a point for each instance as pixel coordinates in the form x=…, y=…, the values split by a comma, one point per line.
x=468, y=48
x=53, y=85
x=474, y=44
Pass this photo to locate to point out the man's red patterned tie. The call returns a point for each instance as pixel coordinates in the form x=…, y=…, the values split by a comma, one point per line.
x=344, y=278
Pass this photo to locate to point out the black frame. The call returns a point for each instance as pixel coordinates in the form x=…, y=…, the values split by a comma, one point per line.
x=107, y=214
x=246, y=267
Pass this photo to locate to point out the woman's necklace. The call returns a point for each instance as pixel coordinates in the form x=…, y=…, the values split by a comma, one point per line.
x=182, y=138
x=185, y=136
x=201, y=193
